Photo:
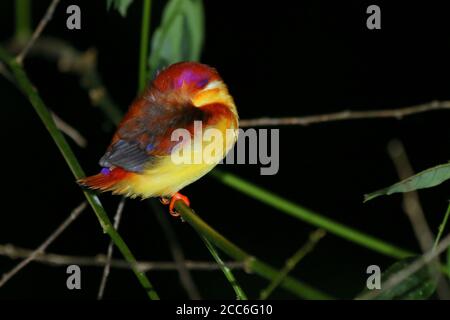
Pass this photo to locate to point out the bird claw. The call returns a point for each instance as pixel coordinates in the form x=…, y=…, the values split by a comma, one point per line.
x=177, y=196
x=164, y=200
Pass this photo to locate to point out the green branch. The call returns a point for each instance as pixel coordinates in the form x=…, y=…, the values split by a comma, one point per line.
x=309, y=216
x=252, y=264
x=292, y=262
x=444, y=269
x=23, y=20
x=441, y=228
x=143, y=53
x=447, y=271
x=240, y=294
x=27, y=88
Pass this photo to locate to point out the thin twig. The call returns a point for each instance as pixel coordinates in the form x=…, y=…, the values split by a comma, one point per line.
x=39, y=250
x=109, y=254
x=397, y=278
x=177, y=252
x=69, y=131
x=37, y=32
x=53, y=259
x=347, y=115
x=314, y=238
x=411, y=202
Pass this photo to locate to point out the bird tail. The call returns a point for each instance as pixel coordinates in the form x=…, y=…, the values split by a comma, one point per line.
x=114, y=180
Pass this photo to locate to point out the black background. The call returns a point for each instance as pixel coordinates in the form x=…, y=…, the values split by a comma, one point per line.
x=285, y=58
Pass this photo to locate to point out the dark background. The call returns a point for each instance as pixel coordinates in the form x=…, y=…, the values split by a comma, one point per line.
x=285, y=58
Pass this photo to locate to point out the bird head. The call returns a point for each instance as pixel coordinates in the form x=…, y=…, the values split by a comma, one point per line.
x=193, y=83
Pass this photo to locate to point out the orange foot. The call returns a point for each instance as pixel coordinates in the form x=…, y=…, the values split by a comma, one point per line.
x=177, y=196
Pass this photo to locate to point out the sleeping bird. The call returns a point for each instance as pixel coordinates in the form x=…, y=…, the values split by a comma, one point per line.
x=140, y=160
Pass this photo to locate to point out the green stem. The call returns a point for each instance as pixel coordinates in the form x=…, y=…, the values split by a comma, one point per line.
x=444, y=269
x=447, y=271
x=240, y=294
x=23, y=20
x=441, y=228
x=252, y=264
x=293, y=261
x=309, y=216
x=27, y=88
x=143, y=54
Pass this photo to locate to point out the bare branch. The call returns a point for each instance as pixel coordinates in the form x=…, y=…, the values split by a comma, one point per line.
x=84, y=64
x=411, y=202
x=37, y=32
x=52, y=259
x=69, y=131
x=347, y=115
x=117, y=218
x=39, y=250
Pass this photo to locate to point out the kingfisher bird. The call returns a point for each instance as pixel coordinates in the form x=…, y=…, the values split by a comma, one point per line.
x=138, y=161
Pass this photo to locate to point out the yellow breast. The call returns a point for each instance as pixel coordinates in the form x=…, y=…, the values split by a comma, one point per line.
x=205, y=150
